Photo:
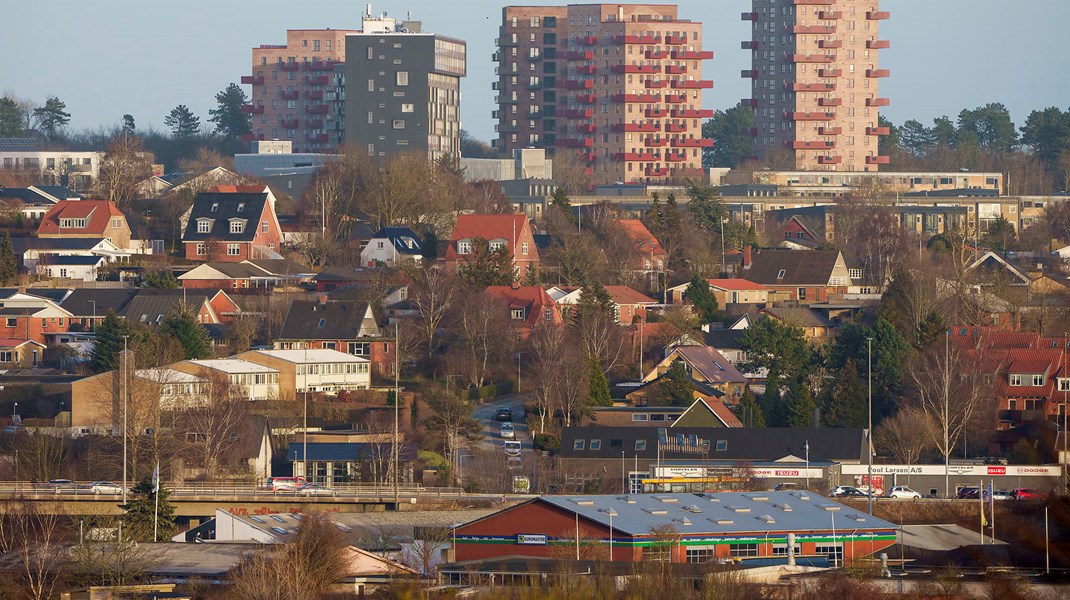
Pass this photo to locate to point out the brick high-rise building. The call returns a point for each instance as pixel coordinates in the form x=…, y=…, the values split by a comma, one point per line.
x=292, y=86
x=618, y=86
x=816, y=75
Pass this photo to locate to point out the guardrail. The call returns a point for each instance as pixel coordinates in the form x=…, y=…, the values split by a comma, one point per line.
x=221, y=488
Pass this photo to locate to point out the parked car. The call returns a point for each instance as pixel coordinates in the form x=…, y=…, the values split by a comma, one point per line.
x=902, y=491
x=968, y=492
x=61, y=485
x=1002, y=495
x=503, y=414
x=105, y=487
x=506, y=431
x=846, y=491
x=278, y=484
x=315, y=489
x=1026, y=494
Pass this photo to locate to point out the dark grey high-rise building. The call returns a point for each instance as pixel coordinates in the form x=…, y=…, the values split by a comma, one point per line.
x=403, y=90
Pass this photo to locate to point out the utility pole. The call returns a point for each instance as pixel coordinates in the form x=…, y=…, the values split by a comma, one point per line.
x=126, y=394
x=397, y=403
x=947, y=401
x=304, y=433
x=869, y=432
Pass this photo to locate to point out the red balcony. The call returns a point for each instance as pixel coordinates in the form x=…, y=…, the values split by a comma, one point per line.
x=318, y=138
x=675, y=40
x=252, y=79
x=692, y=84
x=813, y=2
x=751, y=102
x=655, y=142
x=878, y=15
x=749, y=45
x=636, y=127
x=812, y=29
x=878, y=44
x=829, y=101
x=675, y=128
x=290, y=94
x=634, y=156
x=875, y=73
x=656, y=171
x=813, y=145
x=748, y=16
x=583, y=113
x=314, y=123
x=826, y=44
x=587, y=40
x=248, y=137
x=319, y=109
x=289, y=66
x=633, y=98
x=587, y=128
x=811, y=87
x=878, y=160
x=657, y=53
x=317, y=79
x=749, y=73
x=579, y=84
x=692, y=54
x=878, y=102
x=580, y=55
x=674, y=157
x=829, y=160
x=810, y=116
x=829, y=130
x=691, y=143
x=878, y=130
x=830, y=15
x=320, y=65
x=314, y=95
x=649, y=69
x=291, y=124
x=643, y=38
x=691, y=113
x=810, y=58
x=586, y=69
x=589, y=156
x=656, y=113
x=249, y=109
x=675, y=69
x=674, y=99
x=586, y=98
x=656, y=84
x=829, y=72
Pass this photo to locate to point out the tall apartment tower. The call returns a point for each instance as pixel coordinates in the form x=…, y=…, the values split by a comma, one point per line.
x=617, y=87
x=403, y=90
x=816, y=74
x=292, y=86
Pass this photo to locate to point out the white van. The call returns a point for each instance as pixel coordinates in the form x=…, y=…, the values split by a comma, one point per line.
x=512, y=447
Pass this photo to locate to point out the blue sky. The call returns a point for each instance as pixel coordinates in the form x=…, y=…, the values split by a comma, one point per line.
x=110, y=57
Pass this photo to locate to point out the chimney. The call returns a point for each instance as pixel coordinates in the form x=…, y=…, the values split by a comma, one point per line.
x=746, y=256
x=323, y=298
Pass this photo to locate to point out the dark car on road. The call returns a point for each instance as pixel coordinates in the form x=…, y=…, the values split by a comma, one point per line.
x=503, y=414
x=1025, y=494
x=846, y=491
x=968, y=493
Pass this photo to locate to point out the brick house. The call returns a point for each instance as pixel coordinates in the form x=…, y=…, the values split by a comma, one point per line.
x=20, y=354
x=28, y=317
x=232, y=224
x=805, y=276
x=628, y=305
x=345, y=325
x=528, y=307
x=152, y=306
x=86, y=219
x=510, y=232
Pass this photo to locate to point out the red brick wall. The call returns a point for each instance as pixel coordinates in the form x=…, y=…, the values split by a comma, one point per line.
x=32, y=328
x=534, y=518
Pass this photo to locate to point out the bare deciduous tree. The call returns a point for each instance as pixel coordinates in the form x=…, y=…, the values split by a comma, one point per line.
x=432, y=293
x=34, y=535
x=124, y=166
x=906, y=436
x=302, y=569
x=213, y=430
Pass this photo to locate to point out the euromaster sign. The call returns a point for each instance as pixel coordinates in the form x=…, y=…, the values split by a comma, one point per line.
x=972, y=470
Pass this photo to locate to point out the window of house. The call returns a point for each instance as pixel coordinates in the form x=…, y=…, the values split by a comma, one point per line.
x=497, y=245
x=640, y=445
x=1064, y=385
x=596, y=444
x=524, y=248
x=638, y=417
x=780, y=275
x=398, y=124
x=833, y=551
x=202, y=249
x=782, y=549
x=215, y=207
x=236, y=226
x=407, y=108
x=1038, y=380
x=72, y=223
x=802, y=293
x=658, y=553
x=264, y=226
x=1016, y=379
x=12, y=322
x=517, y=314
x=116, y=223
x=742, y=550
x=578, y=444
x=464, y=247
x=204, y=226
x=722, y=446
x=359, y=348
x=233, y=249
x=5, y=356
x=403, y=78
x=700, y=555
x=549, y=314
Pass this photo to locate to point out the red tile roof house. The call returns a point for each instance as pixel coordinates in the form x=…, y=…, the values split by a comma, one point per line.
x=86, y=219
x=629, y=306
x=650, y=257
x=528, y=307
x=232, y=224
x=805, y=276
x=511, y=232
x=727, y=291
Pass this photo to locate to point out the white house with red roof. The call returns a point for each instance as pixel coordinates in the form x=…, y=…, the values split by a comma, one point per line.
x=727, y=291
x=509, y=232
x=628, y=304
x=86, y=219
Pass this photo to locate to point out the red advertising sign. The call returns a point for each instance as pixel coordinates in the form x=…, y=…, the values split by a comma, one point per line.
x=997, y=470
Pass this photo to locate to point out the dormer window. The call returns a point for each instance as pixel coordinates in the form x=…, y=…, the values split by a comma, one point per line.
x=72, y=223
x=1038, y=380
x=1016, y=379
x=237, y=225
x=1064, y=384
x=204, y=225
x=518, y=314
x=464, y=247
x=497, y=245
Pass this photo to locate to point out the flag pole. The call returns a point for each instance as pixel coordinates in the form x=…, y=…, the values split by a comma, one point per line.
x=156, y=493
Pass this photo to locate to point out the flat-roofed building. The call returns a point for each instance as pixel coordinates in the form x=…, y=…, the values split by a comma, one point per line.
x=249, y=380
x=315, y=370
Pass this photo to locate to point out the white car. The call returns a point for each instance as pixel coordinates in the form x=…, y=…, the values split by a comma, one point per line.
x=506, y=431
x=512, y=447
x=315, y=489
x=902, y=491
x=105, y=487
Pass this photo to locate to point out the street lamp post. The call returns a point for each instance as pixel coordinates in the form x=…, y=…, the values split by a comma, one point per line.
x=93, y=323
x=869, y=432
x=126, y=394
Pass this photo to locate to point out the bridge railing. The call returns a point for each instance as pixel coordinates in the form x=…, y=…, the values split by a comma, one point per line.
x=228, y=488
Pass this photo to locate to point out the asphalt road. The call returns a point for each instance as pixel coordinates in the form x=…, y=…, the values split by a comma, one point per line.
x=492, y=440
